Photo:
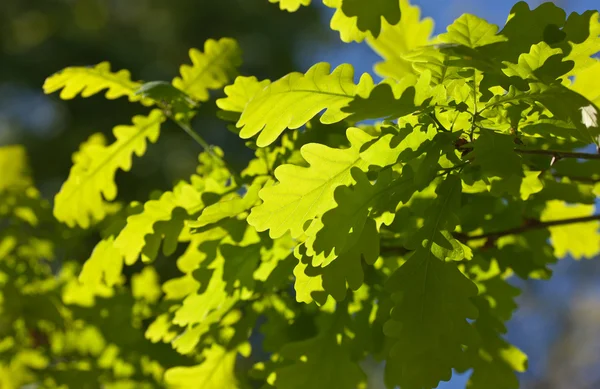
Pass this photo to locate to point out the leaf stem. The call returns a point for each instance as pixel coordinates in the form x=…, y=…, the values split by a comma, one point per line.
x=204, y=144
x=197, y=138
x=439, y=125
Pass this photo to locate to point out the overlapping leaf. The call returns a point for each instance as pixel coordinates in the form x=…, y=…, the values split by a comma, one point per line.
x=320, y=363
x=340, y=228
x=495, y=362
x=429, y=320
x=471, y=31
x=397, y=40
x=369, y=15
x=305, y=192
x=581, y=240
x=293, y=100
x=216, y=371
x=239, y=94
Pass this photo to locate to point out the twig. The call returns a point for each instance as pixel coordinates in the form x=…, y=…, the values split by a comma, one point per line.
x=588, y=180
x=531, y=225
x=559, y=154
x=437, y=122
x=535, y=225
x=551, y=153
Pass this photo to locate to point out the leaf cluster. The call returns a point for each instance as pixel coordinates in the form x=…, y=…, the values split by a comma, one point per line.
x=340, y=240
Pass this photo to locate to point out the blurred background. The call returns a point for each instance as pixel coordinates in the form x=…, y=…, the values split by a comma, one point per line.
x=558, y=324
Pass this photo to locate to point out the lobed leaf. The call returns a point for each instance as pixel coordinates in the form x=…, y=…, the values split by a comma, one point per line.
x=471, y=31
x=92, y=178
x=216, y=371
x=319, y=363
x=209, y=70
x=290, y=5
x=89, y=81
x=581, y=240
x=306, y=192
x=369, y=14
x=396, y=41
x=293, y=100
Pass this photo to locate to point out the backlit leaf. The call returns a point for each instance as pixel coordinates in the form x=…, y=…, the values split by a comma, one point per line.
x=293, y=100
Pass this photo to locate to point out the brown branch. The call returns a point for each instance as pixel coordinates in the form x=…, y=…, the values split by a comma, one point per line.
x=531, y=225
x=588, y=180
x=551, y=153
x=528, y=226
x=559, y=154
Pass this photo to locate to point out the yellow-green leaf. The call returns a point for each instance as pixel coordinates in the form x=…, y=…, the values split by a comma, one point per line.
x=293, y=100
x=395, y=41
x=209, y=70
x=305, y=192
x=216, y=371
x=581, y=240
x=290, y=5
x=92, y=177
x=88, y=81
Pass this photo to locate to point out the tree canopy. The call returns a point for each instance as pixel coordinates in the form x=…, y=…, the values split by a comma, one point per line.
x=378, y=220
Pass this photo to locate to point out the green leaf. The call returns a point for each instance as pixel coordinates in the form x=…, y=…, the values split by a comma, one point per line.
x=293, y=100
x=346, y=26
x=306, y=192
x=432, y=301
x=145, y=285
x=320, y=363
x=88, y=81
x=141, y=236
x=206, y=307
x=587, y=82
x=341, y=227
x=91, y=179
x=104, y=265
x=582, y=52
x=308, y=283
x=165, y=93
x=403, y=146
x=14, y=168
x=347, y=270
x=471, y=31
x=531, y=184
x=368, y=15
x=230, y=206
x=239, y=94
x=494, y=152
x=562, y=102
x=216, y=371
x=290, y=5
x=581, y=240
x=428, y=322
x=383, y=103
x=526, y=27
x=396, y=41
x=495, y=361
x=440, y=217
x=212, y=69
x=538, y=64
